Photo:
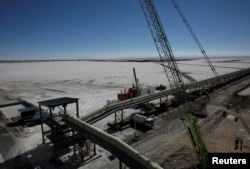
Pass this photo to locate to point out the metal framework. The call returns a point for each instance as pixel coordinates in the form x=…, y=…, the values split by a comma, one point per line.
x=119, y=116
x=60, y=134
x=174, y=77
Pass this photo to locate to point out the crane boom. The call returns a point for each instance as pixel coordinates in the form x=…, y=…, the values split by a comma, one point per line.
x=164, y=50
x=175, y=79
x=162, y=44
x=195, y=37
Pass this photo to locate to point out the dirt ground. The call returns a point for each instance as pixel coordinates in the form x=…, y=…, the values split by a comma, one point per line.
x=219, y=132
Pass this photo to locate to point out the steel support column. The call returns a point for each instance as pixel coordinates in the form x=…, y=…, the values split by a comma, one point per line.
x=119, y=116
x=41, y=117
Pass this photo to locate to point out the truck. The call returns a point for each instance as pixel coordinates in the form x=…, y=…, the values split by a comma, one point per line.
x=140, y=120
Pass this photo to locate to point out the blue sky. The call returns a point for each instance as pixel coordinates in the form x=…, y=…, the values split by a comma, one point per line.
x=75, y=29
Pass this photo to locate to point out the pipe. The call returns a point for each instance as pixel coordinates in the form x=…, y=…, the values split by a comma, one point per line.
x=130, y=156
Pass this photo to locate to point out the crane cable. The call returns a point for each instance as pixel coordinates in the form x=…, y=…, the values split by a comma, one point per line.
x=194, y=37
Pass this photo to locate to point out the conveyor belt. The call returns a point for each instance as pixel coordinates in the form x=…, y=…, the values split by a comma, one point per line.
x=111, y=108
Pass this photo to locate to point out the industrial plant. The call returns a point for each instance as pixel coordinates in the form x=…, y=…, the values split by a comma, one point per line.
x=50, y=124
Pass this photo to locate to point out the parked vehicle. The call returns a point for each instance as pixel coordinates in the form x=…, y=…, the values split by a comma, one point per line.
x=144, y=121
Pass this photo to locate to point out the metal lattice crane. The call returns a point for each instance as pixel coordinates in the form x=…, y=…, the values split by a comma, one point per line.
x=175, y=79
x=194, y=37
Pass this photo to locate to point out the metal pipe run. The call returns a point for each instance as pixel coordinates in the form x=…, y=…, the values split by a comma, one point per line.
x=121, y=150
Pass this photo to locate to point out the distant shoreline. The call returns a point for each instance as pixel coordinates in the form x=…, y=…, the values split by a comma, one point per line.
x=119, y=59
x=82, y=60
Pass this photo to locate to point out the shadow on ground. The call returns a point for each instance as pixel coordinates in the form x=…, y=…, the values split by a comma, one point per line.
x=38, y=158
